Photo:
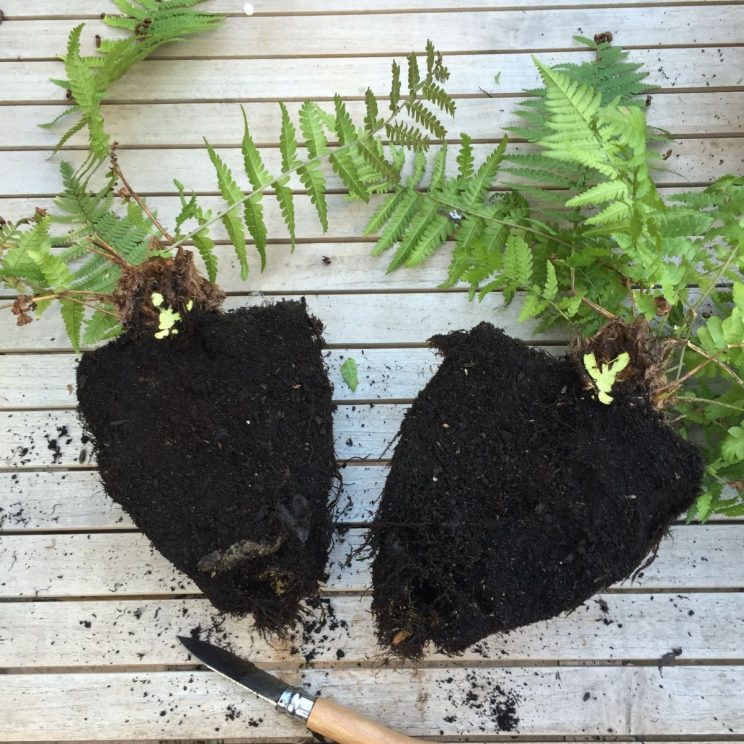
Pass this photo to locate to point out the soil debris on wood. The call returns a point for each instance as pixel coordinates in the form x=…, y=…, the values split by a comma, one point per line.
x=534, y=496
x=494, y=706
x=218, y=442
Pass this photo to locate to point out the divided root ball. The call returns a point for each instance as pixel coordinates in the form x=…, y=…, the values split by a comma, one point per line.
x=218, y=442
x=514, y=495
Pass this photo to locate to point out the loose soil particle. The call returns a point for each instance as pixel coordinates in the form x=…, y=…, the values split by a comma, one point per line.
x=218, y=442
x=514, y=495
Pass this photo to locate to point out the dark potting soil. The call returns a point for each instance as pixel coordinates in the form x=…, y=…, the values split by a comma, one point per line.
x=514, y=495
x=218, y=442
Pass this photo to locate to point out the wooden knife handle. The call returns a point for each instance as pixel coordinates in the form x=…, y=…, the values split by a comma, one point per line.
x=348, y=727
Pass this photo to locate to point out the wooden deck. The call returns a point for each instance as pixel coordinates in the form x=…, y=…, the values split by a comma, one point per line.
x=89, y=612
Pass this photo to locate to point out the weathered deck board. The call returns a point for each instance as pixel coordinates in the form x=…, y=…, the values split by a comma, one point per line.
x=129, y=633
x=92, y=8
x=27, y=172
x=54, y=501
x=389, y=319
x=64, y=540
x=256, y=79
x=308, y=35
x=387, y=374
x=124, y=563
x=622, y=700
x=186, y=124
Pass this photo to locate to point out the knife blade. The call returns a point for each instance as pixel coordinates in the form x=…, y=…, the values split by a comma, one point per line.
x=262, y=684
x=320, y=716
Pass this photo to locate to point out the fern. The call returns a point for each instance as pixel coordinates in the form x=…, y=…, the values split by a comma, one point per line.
x=150, y=25
x=368, y=158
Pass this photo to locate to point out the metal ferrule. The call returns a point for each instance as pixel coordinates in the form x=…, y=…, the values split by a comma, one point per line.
x=295, y=704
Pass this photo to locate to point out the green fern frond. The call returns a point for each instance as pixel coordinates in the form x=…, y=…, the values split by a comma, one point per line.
x=426, y=118
x=550, y=290
x=311, y=126
x=384, y=212
x=438, y=169
x=517, y=264
x=344, y=166
x=101, y=326
x=395, y=88
x=398, y=222
x=465, y=160
x=414, y=75
x=426, y=211
x=86, y=94
x=372, y=120
x=150, y=25
x=478, y=185
x=72, y=315
x=407, y=136
x=252, y=162
x=286, y=203
x=313, y=180
x=435, y=234
x=600, y=193
x=438, y=96
x=232, y=194
x=259, y=178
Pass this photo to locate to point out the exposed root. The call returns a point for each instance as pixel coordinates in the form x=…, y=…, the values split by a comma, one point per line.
x=176, y=279
x=245, y=550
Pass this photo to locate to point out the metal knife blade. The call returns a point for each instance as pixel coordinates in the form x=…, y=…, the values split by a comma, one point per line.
x=262, y=684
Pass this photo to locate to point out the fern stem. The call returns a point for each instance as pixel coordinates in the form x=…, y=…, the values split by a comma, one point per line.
x=68, y=295
x=116, y=168
x=494, y=220
x=706, y=402
x=108, y=252
x=711, y=357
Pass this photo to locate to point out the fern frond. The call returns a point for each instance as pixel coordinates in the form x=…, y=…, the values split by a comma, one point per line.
x=232, y=194
x=72, y=315
x=259, y=177
x=398, y=221
x=414, y=75
x=438, y=96
x=517, y=264
x=465, y=158
x=344, y=126
x=150, y=25
x=372, y=120
x=384, y=212
x=101, y=326
x=313, y=180
x=407, y=136
x=478, y=185
x=426, y=118
x=550, y=290
x=344, y=166
x=395, y=88
x=311, y=126
x=252, y=162
x=438, y=169
x=288, y=142
x=371, y=150
x=87, y=96
x=600, y=193
x=437, y=231
x=426, y=211
x=286, y=203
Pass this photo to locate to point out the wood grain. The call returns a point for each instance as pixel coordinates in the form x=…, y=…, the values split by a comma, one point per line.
x=125, y=564
x=222, y=80
x=455, y=32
